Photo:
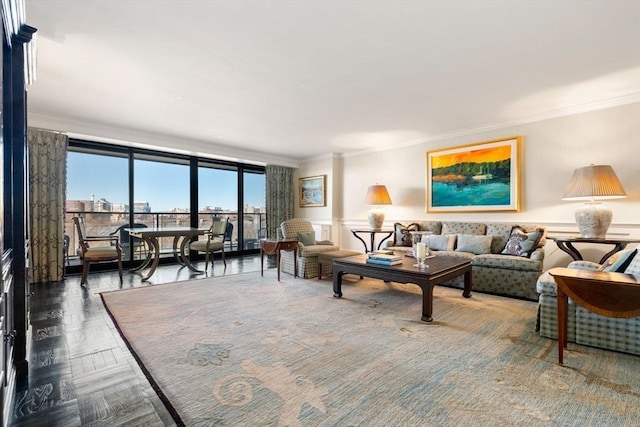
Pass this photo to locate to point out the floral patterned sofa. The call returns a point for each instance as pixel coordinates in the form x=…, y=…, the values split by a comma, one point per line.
x=585, y=327
x=308, y=248
x=506, y=258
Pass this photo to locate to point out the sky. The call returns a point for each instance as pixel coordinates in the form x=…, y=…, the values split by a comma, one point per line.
x=465, y=155
x=164, y=186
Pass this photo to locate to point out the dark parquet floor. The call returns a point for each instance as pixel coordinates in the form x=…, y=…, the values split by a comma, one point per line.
x=80, y=370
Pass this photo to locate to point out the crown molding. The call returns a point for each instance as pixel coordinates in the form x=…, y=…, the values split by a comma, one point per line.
x=132, y=138
x=553, y=114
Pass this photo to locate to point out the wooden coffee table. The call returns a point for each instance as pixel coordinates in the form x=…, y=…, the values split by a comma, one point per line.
x=441, y=269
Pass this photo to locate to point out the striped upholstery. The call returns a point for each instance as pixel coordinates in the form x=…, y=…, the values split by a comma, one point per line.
x=307, y=255
x=585, y=327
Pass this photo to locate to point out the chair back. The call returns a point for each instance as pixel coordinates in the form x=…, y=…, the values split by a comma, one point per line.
x=80, y=229
x=218, y=228
x=291, y=227
x=229, y=234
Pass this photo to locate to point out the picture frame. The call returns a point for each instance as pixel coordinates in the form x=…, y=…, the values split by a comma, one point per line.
x=312, y=191
x=478, y=177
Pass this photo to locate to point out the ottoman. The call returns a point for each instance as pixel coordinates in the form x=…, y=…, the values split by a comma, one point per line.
x=326, y=259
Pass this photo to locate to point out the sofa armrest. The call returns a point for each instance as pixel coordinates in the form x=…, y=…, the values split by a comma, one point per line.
x=537, y=255
x=584, y=265
x=324, y=242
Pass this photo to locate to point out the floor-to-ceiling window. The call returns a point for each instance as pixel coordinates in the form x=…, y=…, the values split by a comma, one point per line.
x=218, y=196
x=116, y=187
x=98, y=190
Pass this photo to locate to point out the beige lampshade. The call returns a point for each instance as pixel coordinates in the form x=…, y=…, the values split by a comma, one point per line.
x=377, y=195
x=592, y=183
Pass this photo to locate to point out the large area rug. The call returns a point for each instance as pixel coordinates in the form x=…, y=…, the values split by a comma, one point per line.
x=246, y=350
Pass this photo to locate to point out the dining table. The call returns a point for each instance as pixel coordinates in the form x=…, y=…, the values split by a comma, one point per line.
x=151, y=236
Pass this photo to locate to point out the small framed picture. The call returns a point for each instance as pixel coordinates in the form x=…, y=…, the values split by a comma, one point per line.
x=312, y=191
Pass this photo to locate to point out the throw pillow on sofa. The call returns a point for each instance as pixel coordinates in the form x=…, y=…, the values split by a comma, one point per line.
x=521, y=242
x=474, y=244
x=402, y=234
x=619, y=261
x=441, y=243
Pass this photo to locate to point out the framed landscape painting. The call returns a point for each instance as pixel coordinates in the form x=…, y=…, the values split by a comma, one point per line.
x=312, y=191
x=480, y=177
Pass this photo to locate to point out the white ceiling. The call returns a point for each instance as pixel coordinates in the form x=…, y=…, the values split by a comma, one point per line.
x=261, y=80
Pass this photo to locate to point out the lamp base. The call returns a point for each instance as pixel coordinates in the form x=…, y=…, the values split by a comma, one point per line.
x=376, y=218
x=593, y=220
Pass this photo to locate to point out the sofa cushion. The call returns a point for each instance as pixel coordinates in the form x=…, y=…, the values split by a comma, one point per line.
x=474, y=244
x=506, y=262
x=454, y=227
x=457, y=254
x=434, y=226
x=307, y=239
x=500, y=232
x=619, y=261
x=522, y=243
x=441, y=242
x=402, y=234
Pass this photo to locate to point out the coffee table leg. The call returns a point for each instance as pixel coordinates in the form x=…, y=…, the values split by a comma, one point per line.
x=468, y=281
x=337, y=284
x=427, y=303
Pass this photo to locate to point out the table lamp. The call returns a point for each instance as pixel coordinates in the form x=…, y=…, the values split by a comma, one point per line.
x=376, y=195
x=592, y=183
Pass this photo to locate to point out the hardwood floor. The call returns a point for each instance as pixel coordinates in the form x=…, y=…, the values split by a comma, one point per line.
x=80, y=370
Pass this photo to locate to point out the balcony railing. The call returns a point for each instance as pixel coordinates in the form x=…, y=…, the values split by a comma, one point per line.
x=105, y=223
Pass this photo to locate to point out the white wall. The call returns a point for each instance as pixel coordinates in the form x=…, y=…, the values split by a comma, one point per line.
x=322, y=215
x=551, y=150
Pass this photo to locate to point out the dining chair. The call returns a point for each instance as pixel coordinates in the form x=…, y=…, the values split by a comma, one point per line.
x=214, y=242
x=228, y=235
x=92, y=251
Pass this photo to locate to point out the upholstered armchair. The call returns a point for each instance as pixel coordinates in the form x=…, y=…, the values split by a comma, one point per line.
x=308, y=248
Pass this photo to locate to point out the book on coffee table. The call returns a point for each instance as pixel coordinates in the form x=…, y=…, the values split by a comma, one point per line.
x=384, y=261
x=384, y=257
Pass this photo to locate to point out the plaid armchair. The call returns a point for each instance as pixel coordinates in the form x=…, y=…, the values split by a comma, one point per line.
x=308, y=248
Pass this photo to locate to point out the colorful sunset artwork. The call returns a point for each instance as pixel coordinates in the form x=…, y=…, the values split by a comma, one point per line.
x=475, y=177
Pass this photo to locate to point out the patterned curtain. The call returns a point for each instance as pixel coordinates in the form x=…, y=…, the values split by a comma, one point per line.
x=280, y=197
x=47, y=193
